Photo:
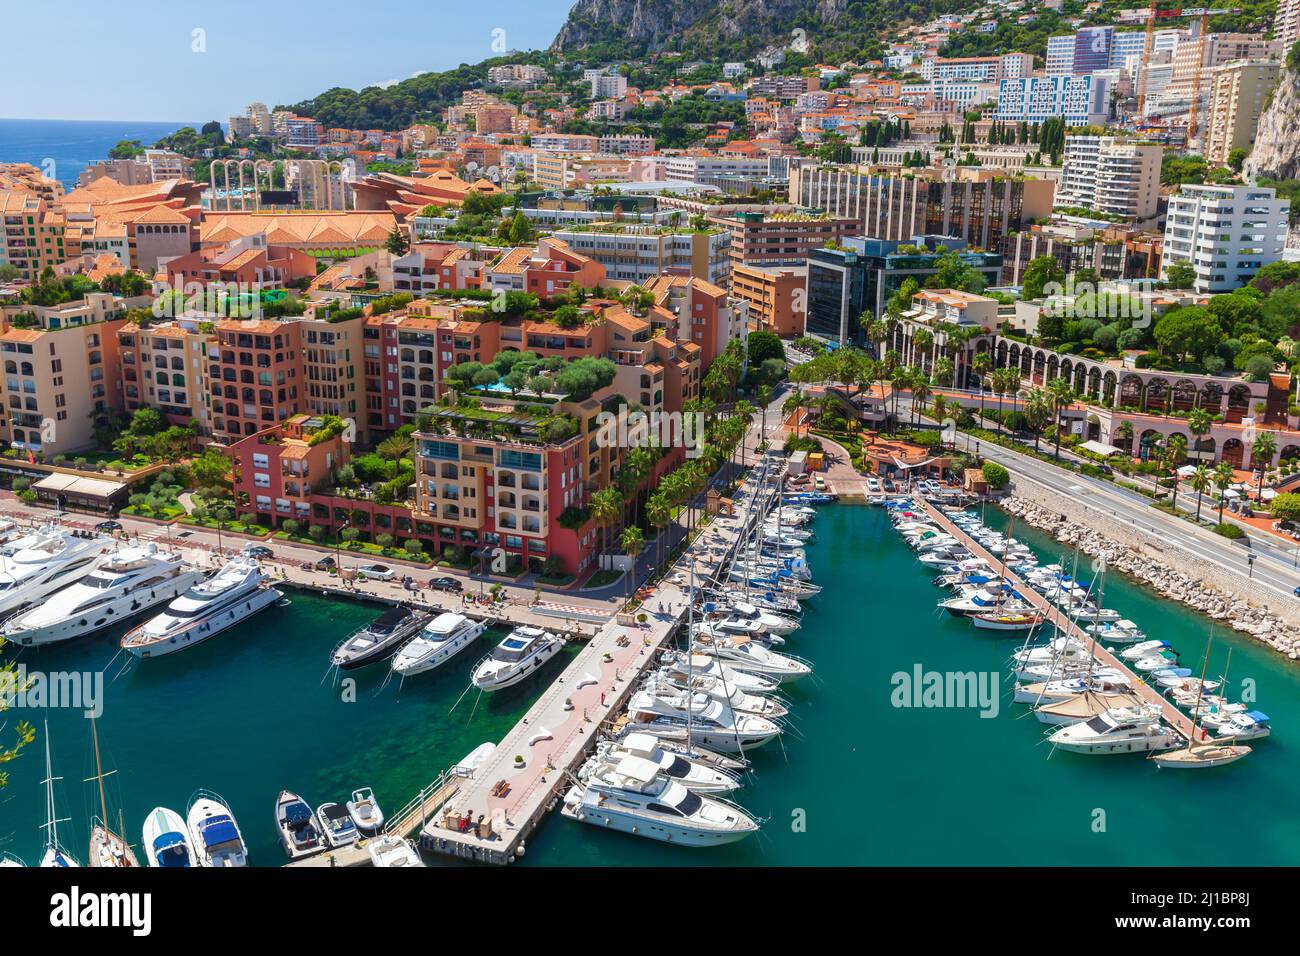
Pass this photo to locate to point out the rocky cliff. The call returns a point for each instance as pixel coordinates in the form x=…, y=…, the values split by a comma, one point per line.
x=1276, y=154
x=727, y=27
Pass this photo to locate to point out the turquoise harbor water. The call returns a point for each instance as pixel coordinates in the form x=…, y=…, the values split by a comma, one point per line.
x=858, y=781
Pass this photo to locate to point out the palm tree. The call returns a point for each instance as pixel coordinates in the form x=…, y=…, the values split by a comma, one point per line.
x=1201, y=480
x=1176, y=454
x=1199, y=422
x=606, y=509
x=763, y=395
x=1222, y=479
x=1125, y=431
x=396, y=447
x=920, y=392
x=660, y=514
x=1262, y=451
x=1038, y=408
x=632, y=542
x=1062, y=398
x=999, y=386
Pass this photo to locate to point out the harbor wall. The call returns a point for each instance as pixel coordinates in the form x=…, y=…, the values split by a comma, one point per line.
x=1220, y=591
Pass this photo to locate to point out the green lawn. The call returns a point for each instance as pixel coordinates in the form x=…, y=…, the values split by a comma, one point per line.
x=602, y=578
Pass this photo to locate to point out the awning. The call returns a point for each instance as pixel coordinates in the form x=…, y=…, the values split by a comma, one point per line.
x=63, y=484
x=1101, y=448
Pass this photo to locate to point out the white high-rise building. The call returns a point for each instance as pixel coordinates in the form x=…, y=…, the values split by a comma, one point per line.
x=1112, y=175
x=1286, y=24
x=1081, y=100
x=1227, y=233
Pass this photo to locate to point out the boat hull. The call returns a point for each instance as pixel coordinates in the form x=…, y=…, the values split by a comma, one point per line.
x=208, y=627
x=120, y=609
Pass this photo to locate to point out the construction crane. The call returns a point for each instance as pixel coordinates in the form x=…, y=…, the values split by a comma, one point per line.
x=1151, y=15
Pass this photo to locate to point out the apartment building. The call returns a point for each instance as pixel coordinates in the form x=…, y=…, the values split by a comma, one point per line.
x=608, y=86
x=520, y=75
x=1197, y=55
x=569, y=171
x=1226, y=232
x=281, y=472
x=165, y=164
x=1081, y=100
x=626, y=145
x=1238, y=94
x=165, y=366
x=250, y=262
x=1110, y=174
x=34, y=233
x=775, y=295
x=692, y=169
x=781, y=239
x=640, y=253
x=61, y=371
x=564, y=143
x=703, y=314
x=546, y=269
x=1286, y=23
x=30, y=178
x=254, y=373
x=977, y=206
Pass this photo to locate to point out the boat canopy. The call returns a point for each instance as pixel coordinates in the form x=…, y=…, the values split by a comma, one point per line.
x=217, y=830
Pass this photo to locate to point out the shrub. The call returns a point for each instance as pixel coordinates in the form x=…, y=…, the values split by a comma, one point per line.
x=291, y=527
x=413, y=546
x=995, y=474
x=385, y=541
x=316, y=532
x=1229, y=531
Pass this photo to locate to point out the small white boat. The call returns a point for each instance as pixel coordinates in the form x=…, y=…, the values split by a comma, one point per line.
x=337, y=824
x=365, y=812
x=167, y=841
x=392, y=850
x=1199, y=756
x=216, y=836
x=1117, y=632
x=476, y=758
x=7, y=860
x=694, y=774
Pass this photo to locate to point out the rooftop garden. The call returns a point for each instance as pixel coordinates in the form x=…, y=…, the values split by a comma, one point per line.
x=524, y=422
x=525, y=372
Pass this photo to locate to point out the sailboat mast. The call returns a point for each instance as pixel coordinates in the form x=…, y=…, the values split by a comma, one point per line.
x=99, y=773
x=1196, y=711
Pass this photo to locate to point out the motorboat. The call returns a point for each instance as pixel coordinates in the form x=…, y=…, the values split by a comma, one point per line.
x=742, y=654
x=1144, y=649
x=633, y=796
x=380, y=639
x=442, y=639
x=365, y=812
x=234, y=594
x=1155, y=661
x=121, y=584
x=709, y=723
x=692, y=773
x=1122, y=631
x=392, y=850
x=337, y=824
x=40, y=563
x=8, y=860
x=167, y=841
x=767, y=621
x=300, y=832
x=680, y=667
x=740, y=701
x=1250, y=725
x=1124, y=730
x=217, y=840
x=984, y=601
x=521, y=653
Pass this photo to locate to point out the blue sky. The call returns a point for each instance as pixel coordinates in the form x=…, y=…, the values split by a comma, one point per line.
x=135, y=61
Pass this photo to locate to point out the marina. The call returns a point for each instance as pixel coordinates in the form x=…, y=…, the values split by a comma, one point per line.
x=399, y=739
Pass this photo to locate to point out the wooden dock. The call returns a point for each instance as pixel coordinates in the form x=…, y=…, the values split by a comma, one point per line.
x=1064, y=625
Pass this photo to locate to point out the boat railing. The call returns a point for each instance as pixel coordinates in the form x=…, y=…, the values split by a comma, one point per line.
x=423, y=805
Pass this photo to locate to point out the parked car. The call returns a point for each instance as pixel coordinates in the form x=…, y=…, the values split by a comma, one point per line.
x=259, y=551
x=819, y=483
x=446, y=584
x=377, y=572
x=873, y=484
x=108, y=527
x=326, y=563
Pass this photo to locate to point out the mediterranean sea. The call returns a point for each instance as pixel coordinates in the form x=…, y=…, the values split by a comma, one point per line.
x=71, y=145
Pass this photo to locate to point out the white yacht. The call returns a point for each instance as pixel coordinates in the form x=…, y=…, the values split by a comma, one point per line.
x=633, y=796
x=236, y=592
x=522, y=652
x=742, y=654
x=692, y=774
x=680, y=667
x=711, y=723
x=1117, y=632
x=442, y=639
x=721, y=690
x=217, y=840
x=40, y=563
x=1120, y=731
x=167, y=840
x=121, y=584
